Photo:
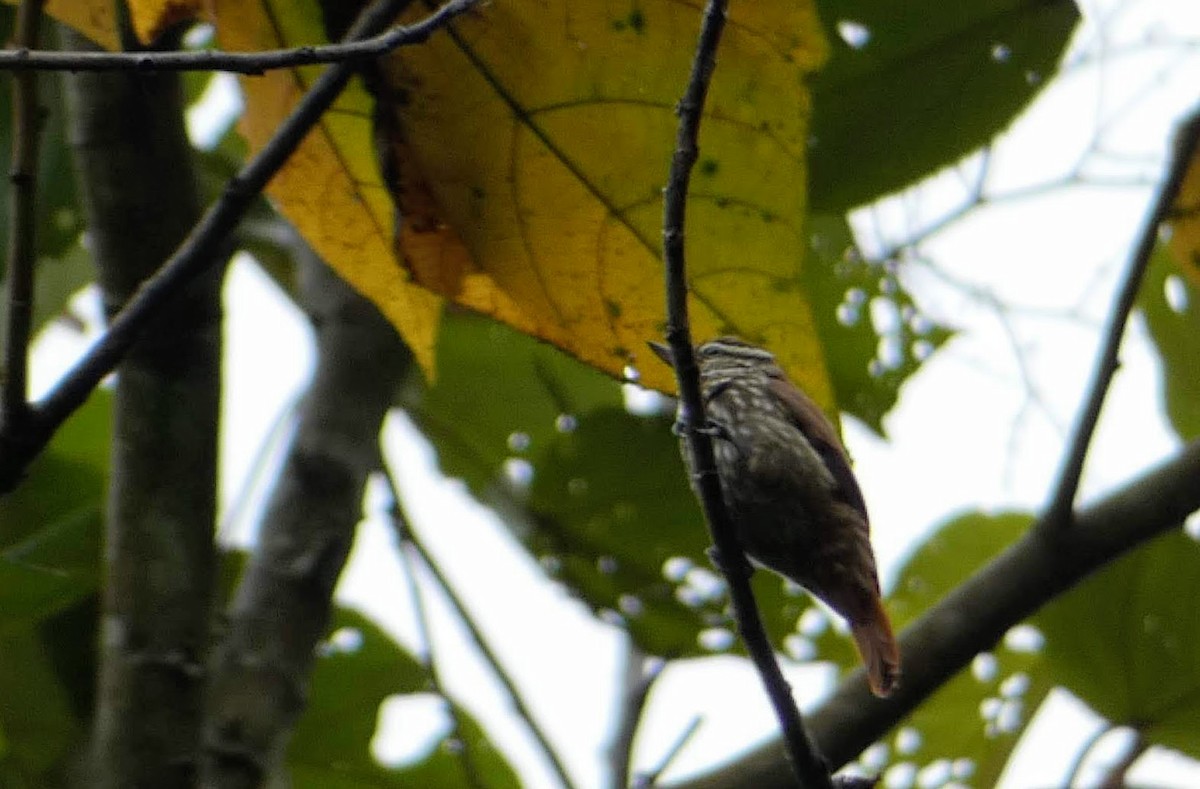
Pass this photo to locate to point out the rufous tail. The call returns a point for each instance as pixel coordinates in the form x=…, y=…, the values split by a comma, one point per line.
x=879, y=650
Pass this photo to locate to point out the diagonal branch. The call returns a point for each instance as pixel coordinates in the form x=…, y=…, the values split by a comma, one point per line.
x=22, y=253
x=410, y=559
x=650, y=778
x=978, y=613
x=18, y=447
x=640, y=675
x=809, y=767
x=1187, y=143
x=409, y=539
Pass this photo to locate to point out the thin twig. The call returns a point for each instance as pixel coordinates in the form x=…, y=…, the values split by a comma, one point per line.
x=408, y=536
x=651, y=777
x=24, y=58
x=640, y=677
x=809, y=767
x=1084, y=752
x=1059, y=512
x=22, y=251
x=271, y=446
x=409, y=556
x=1115, y=779
x=200, y=247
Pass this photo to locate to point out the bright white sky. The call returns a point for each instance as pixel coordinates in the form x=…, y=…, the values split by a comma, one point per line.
x=972, y=430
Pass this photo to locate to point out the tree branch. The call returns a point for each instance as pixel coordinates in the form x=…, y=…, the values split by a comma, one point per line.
x=1084, y=752
x=650, y=777
x=809, y=767
x=24, y=58
x=408, y=537
x=1115, y=778
x=640, y=676
x=22, y=251
x=977, y=614
x=283, y=603
x=410, y=558
x=17, y=448
x=1187, y=143
x=134, y=166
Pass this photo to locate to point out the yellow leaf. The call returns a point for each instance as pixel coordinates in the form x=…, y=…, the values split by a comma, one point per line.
x=1185, y=227
x=540, y=135
x=92, y=18
x=527, y=148
x=152, y=17
x=330, y=189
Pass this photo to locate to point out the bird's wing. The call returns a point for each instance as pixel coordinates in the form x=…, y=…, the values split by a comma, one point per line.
x=812, y=422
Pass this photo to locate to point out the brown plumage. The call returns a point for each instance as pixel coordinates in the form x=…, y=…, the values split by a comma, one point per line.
x=790, y=490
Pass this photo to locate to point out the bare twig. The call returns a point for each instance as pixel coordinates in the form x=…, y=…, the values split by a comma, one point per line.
x=650, y=778
x=25, y=58
x=199, y=249
x=276, y=435
x=1059, y=512
x=410, y=558
x=1115, y=779
x=1084, y=752
x=408, y=537
x=977, y=198
x=809, y=767
x=640, y=676
x=22, y=252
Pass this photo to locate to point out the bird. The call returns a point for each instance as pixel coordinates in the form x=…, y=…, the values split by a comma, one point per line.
x=787, y=483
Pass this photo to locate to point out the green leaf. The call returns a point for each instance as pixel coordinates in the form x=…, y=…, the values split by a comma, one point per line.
x=57, y=280
x=53, y=569
x=50, y=525
x=69, y=639
x=1174, y=326
x=49, y=573
x=347, y=688
x=867, y=362
x=978, y=715
x=66, y=479
x=956, y=550
x=1127, y=642
x=932, y=82
x=331, y=747
x=38, y=728
x=500, y=394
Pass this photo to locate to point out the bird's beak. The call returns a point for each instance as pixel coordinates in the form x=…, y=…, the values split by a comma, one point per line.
x=663, y=352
